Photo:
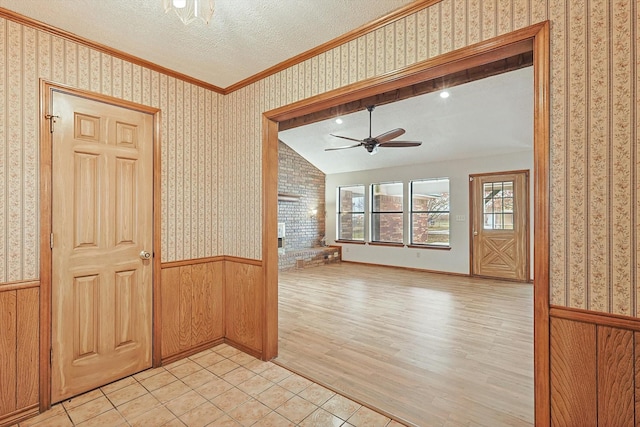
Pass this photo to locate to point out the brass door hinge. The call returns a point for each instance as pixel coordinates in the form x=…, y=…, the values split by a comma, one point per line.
x=52, y=120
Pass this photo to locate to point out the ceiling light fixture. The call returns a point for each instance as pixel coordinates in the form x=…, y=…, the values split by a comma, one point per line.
x=339, y=121
x=190, y=10
x=444, y=94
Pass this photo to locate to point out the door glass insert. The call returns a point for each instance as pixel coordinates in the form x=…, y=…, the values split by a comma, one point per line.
x=498, y=205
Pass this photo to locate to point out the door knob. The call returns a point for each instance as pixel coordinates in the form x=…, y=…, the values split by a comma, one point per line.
x=145, y=255
x=475, y=233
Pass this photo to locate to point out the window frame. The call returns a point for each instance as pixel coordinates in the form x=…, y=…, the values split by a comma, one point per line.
x=413, y=211
x=340, y=212
x=498, y=212
x=373, y=212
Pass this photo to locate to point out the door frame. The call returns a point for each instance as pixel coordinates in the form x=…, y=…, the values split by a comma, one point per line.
x=535, y=39
x=472, y=215
x=47, y=89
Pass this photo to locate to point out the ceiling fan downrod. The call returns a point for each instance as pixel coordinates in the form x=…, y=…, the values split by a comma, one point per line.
x=370, y=108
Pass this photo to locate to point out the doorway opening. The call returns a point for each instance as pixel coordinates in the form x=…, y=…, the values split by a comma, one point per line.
x=533, y=39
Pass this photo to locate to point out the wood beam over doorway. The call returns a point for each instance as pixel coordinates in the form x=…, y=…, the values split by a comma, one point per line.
x=500, y=66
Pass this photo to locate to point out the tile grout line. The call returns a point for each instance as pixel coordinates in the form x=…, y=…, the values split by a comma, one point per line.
x=241, y=362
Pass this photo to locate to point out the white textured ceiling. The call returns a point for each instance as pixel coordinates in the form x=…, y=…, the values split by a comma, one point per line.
x=244, y=37
x=483, y=118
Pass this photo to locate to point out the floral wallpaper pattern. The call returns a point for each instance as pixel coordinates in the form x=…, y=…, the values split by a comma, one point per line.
x=595, y=210
x=211, y=144
x=190, y=157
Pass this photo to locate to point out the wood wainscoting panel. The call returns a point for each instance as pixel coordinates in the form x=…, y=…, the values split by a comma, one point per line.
x=243, y=297
x=8, y=355
x=206, y=305
x=192, y=306
x=636, y=364
x=615, y=377
x=170, y=289
x=19, y=341
x=186, y=307
x=573, y=373
x=27, y=344
x=595, y=368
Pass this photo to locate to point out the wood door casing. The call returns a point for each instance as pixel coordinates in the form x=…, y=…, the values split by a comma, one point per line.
x=102, y=218
x=500, y=239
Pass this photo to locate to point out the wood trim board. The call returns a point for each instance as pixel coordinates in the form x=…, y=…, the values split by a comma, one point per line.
x=24, y=284
x=156, y=354
x=541, y=225
x=424, y=270
x=171, y=264
x=600, y=319
x=17, y=417
x=270, y=239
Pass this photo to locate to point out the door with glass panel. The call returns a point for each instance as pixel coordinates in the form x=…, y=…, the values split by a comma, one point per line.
x=500, y=225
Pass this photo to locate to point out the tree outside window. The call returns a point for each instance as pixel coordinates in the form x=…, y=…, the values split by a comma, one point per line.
x=430, y=212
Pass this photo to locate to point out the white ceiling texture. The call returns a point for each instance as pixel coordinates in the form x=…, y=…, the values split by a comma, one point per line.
x=245, y=37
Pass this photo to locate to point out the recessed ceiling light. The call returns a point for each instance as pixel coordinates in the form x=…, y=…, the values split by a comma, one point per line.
x=339, y=121
x=444, y=94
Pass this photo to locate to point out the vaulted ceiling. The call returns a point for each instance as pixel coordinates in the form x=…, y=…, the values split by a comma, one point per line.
x=485, y=117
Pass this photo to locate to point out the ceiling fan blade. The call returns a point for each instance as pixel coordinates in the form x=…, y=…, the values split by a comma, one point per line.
x=388, y=136
x=400, y=144
x=346, y=137
x=343, y=147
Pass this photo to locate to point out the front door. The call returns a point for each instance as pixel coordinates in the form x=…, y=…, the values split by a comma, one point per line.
x=102, y=217
x=500, y=225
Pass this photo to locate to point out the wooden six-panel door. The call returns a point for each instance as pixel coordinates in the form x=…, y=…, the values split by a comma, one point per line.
x=500, y=225
x=102, y=222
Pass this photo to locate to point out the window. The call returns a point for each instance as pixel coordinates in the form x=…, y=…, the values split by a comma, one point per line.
x=430, y=212
x=386, y=213
x=498, y=205
x=351, y=213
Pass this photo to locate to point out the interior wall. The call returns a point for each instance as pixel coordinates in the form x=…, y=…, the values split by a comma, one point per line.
x=190, y=156
x=594, y=123
x=455, y=260
x=298, y=177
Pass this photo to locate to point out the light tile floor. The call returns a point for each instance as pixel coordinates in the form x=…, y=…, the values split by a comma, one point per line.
x=217, y=387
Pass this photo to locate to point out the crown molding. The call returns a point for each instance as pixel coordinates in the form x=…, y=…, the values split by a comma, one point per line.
x=30, y=22
x=345, y=38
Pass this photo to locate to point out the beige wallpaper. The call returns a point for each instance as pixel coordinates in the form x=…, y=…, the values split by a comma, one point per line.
x=190, y=158
x=212, y=191
x=595, y=250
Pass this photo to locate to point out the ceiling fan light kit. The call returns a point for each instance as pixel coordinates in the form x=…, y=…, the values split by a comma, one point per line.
x=372, y=144
x=190, y=10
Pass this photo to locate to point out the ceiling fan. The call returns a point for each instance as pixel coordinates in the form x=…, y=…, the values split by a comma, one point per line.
x=382, y=140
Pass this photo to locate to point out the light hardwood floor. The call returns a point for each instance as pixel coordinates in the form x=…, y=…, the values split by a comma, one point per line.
x=428, y=349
